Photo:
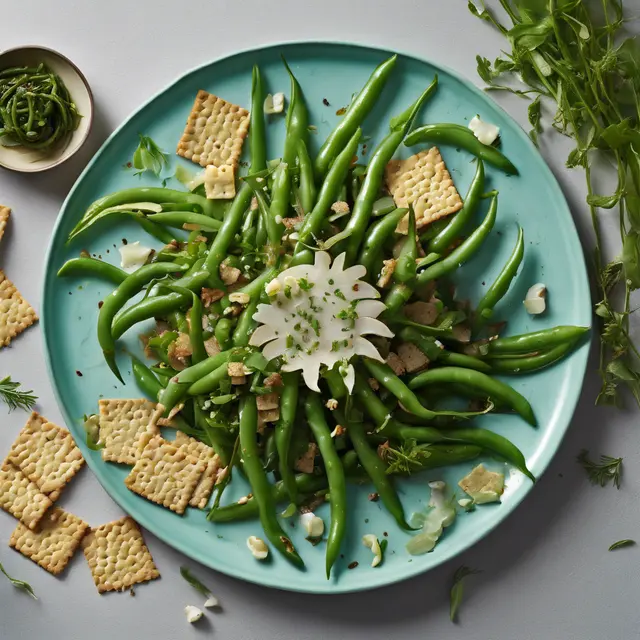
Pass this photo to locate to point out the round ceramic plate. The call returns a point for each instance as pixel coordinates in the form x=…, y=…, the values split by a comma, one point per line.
x=329, y=73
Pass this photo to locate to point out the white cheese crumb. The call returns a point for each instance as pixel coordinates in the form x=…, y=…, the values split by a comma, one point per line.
x=243, y=500
x=278, y=219
x=274, y=103
x=193, y=613
x=272, y=288
x=486, y=132
x=133, y=256
x=258, y=547
x=240, y=298
x=211, y=602
x=313, y=525
x=535, y=300
x=331, y=404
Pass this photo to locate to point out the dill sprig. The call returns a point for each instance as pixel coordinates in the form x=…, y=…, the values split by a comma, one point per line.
x=607, y=470
x=13, y=397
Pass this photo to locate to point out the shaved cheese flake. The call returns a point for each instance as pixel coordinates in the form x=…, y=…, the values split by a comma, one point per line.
x=133, y=256
x=486, y=132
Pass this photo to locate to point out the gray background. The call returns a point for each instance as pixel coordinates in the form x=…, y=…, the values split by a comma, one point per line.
x=547, y=571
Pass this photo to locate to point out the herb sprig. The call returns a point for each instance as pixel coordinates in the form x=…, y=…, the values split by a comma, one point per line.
x=19, y=584
x=457, y=590
x=621, y=543
x=607, y=470
x=194, y=582
x=14, y=397
x=149, y=157
x=573, y=54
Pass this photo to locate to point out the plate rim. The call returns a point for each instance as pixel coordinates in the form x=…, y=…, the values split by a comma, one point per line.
x=580, y=356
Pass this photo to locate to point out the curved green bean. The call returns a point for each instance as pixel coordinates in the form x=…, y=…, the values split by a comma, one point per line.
x=284, y=430
x=87, y=265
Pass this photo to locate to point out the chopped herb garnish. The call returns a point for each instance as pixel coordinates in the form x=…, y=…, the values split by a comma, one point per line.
x=194, y=582
x=338, y=294
x=607, y=470
x=457, y=590
x=305, y=285
x=19, y=584
x=13, y=397
x=149, y=157
x=289, y=341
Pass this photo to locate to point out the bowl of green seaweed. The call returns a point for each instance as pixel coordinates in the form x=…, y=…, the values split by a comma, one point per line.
x=46, y=109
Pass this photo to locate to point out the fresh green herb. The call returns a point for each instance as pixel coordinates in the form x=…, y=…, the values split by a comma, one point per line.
x=19, y=584
x=289, y=341
x=576, y=54
x=13, y=397
x=457, y=590
x=224, y=399
x=149, y=157
x=305, y=285
x=256, y=361
x=289, y=511
x=384, y=543
x=607, y=470
x=194, y=582
x=408, y=457
x=621, y=543
x=338, y=294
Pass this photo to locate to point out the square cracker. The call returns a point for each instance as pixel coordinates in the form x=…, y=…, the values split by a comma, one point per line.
x=52, y=546
x=117, y=556
x=205, y=453
x=215, y=132
x=16, y=314
x=20, y=497
x=126, y=426
x=46, y=454
x=166, y=474
x=219, y=182
x=5, y=212
x=424, y=182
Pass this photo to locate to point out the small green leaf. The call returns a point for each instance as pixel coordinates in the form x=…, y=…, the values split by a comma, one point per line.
x=256, y=361
x=149, y=157
x=194, y=582
x=19, y=584
x=92, y=432
x=621, y=543
x=604, y=202
x=457, y=590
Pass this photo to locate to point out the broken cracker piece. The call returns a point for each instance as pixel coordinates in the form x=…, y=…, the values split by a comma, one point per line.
x=215, y=132
x=118, y=556
x=166, y=474
x=46, y=454
x=53, y=544
x=126, y=426
x=5, y=212
x=412, y=358
x=219, y=182
x=205, y=453
x=424, y=182
x=20, y=497
x=16, y=314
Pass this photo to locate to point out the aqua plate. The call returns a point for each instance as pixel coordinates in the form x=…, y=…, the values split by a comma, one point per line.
x=328, y=72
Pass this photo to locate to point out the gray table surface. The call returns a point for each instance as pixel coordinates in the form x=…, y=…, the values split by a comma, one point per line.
x=547, y=571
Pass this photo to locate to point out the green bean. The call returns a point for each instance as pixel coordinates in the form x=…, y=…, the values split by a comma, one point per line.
x=536, y=340
x=260, y=486
x=87, y=265
x=223, y=331
x=280, y=196
x=444, y=455
x=501, y=285
x=297, y=121
x=283, y=431
x=199, y=352
x=246, y=325
x=305, y=484
x=397, y=297
x=145, y=379
x=382, y=206
x=529, y=363
x=377, y=470
x=335, y=475
x=328, y=194
x=406, y=268
x=273, y=228
x=158, y=306
x=354, y=117
x=363, y=206
x=178, y=220
x=258, y=141
x=209, y=382
x=462, y=253
x=117, y=299
x=459, y=136
x=230, y=226
x=140, y=195
x=307, y=182
x=437, y=332
x=445, y=238
x=476, y=380
x=215, y=437
x=454, y=359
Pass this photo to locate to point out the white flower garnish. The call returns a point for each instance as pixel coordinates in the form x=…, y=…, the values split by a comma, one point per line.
x=318, y=317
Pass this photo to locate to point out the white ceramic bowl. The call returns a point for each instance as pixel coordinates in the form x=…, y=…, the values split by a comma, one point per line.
x=31, y=161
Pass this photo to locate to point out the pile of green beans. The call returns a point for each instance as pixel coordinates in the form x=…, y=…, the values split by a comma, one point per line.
x=36, y=110
x=185, y=286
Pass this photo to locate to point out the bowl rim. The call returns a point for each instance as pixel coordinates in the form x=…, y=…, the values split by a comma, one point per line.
x=63, y=157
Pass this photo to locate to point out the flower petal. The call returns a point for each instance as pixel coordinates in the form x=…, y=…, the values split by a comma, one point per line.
x=370, y=308
x=350, y=378
x=310, y=373
x=365, y=290
x=275, y=349
x=338, y=264
x=322, y=260
x=262, y=334
x=362, y=347
x=371, y=326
